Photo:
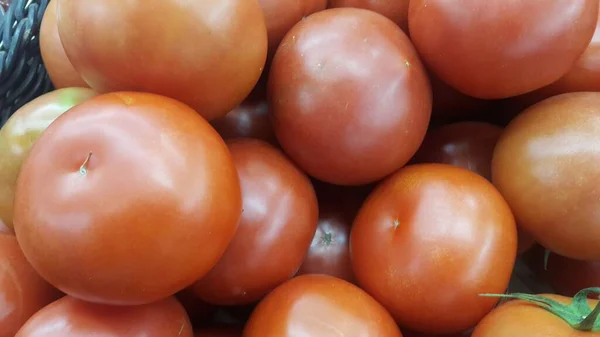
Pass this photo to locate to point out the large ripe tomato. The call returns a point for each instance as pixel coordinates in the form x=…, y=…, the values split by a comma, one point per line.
x=59, y=68
x=396, y=10
x=208, y=54
x=249, y=120
x=219, y=332
x=70, y=317
x=498, y=48
x=126, y=199
x=349, y=97
x=22, y=130
x=22, y=291
x=329, y=251
x=279, y=219
x=282, y=15
x=428, y=240
x=547, y=165
x=320, y=305
x=532, y=318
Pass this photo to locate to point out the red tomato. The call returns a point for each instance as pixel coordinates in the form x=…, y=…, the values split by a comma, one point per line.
x=219, y=332
x=329, y=251
x=498, y=48
x=346, y=114
x=208, y=54
x=396, y=10
x=279, y=219
x=250, y=119
x=70, y=317
x=59, y=68
x=22, y=291
x=428, y=240
x=546, y=165
x=282, y=15
x=126, y=199
x=22, y=130
x=523, y=319
x=320, y=305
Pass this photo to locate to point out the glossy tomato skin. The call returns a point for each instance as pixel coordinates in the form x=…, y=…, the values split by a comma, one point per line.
x=428, y=240
x=396, y=11
x=219, y=332
x=70, y=317
x=320, y=305
x=497, y=49
x=546, y=166
x=22, y=290
x=61, y=71
x=249, y=120
x=345, y=114
x=220, y=46
x=22, y=130
x=282, y=15
x=154, y=209
x=519, y=318
x=278, y=222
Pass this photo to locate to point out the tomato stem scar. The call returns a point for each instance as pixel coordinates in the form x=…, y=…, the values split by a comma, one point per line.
x=578, y=314
x=83, y=168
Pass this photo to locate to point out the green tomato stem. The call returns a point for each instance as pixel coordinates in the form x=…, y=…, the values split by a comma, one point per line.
x=578, y=314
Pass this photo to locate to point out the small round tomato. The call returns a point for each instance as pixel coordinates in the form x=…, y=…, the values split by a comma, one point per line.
x=428, y=240
x=22, y=290
x=320, y=305
x=396, y=10
x=219, y=332
x=346, y=114
x=329, y=251
x=208, y=54
x=126, y=198
x=250, y=119
x=61, y=71
x=530, y=317
x=279, y=219
x=70, y=317
x=546, y=165
x=22, y=130
x=498, y=48
x=282, y=15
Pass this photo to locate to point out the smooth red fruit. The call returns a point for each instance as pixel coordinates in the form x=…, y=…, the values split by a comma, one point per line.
x=127, y=198
x=344, y=113
x=320, y=305
x=279, y=219
x=428, y=240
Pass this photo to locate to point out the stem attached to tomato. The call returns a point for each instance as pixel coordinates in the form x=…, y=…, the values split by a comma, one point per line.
x=578, y=314
x=83, y=168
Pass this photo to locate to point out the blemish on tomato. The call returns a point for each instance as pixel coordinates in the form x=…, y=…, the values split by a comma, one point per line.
x=396, y=223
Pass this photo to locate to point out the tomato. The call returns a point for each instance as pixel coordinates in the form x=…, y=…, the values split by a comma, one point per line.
x=396, y=11
x=58, y=66
x=126, y=198
x=22, y=130
x=22, y=290
x=523, y=319
x=250, y=119
x=428, y=240
x=282, y=15
x=329, y=250
x=346, y=114
x=208, y=54
x=219, y=332
x=498, y=48
x=70, y=317
x=279, y=219
x=546, y=166
x=320, y=305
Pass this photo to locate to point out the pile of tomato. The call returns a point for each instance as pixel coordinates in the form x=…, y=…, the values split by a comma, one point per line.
x=273, y=168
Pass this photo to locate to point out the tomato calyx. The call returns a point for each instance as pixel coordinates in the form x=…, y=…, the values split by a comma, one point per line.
x=578, y=314
x=83, y=169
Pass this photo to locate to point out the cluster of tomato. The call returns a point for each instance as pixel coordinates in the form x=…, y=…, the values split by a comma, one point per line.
x=273, y=168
